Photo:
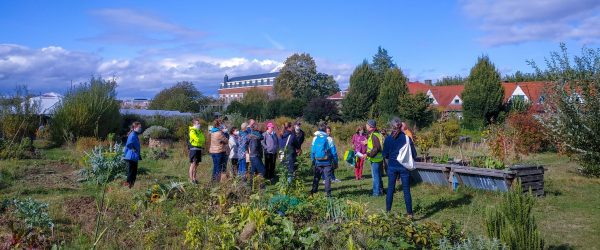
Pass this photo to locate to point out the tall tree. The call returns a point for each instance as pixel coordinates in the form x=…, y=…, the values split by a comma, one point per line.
x=183, y=96
x=483, y=94
x=382, y=61
x=417, y=108
x=362, y=93
x=451, y=80
x=393, y=88
x=299, y=78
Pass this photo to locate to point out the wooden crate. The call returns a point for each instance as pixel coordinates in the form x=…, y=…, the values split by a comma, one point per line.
x=531, y=177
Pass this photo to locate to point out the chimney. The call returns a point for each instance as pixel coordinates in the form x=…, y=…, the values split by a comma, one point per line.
x=225, y=79
x=428, y=81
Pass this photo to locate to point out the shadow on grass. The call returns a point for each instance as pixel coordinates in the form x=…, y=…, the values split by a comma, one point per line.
x=444, y=203
x=561, y=247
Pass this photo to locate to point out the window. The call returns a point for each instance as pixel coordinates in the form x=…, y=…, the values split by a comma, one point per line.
x=518, y=97
x=456, y=101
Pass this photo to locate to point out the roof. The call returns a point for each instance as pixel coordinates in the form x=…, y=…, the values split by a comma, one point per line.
x=46, y=102
x=148, y=112
x=338, y=95
x=445, y=94
x=244, y=89
x=417, y=87
x=533, y=90
x=250, y=77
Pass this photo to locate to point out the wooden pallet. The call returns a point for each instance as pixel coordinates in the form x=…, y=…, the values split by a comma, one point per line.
x=531, y=178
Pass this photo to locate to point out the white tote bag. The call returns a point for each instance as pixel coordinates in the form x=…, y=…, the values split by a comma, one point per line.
x=405, y=156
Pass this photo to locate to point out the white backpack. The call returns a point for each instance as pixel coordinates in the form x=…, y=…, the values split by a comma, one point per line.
x=405, y=156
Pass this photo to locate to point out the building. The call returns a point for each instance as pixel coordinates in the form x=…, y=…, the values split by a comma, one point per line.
x=234, y=88
x=138, y=103
x=46, y=103
x=448, y=99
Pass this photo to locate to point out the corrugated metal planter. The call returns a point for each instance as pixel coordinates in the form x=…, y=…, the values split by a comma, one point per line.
x=437, y=174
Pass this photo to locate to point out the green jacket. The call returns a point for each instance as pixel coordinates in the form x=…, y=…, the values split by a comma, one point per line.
x=196, y=138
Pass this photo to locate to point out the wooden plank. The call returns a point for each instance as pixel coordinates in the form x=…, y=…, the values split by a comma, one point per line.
x=534, y=185
x=530, y=172
x=530, y=178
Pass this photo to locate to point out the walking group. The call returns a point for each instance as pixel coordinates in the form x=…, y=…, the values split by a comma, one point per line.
x=253, y=150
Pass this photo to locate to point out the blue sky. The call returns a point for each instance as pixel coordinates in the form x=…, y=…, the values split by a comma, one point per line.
x=47, y=45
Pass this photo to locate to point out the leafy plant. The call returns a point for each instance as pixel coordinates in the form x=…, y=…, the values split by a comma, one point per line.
x=22, y=150
x=158, y=153
x=33, y=213
x=105, y=164
x=157, y=132
x=424, y=143
x=470, y=243
x=160, y=192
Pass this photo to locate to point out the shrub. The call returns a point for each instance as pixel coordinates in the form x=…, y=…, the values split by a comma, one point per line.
x=88, y=110
x=445, y=132
x=424, y=142
x=513, y=221
x=18, y=116
x=531, y=135
x=84, y=144
x=343, y=131
x=22, y=150
x=157, y=132
x=321, y=110
x=479, y=243
x=292, y=108
x=177, y=126
x=158, y=153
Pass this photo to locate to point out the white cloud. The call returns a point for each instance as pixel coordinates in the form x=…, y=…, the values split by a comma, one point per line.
x=515, y=21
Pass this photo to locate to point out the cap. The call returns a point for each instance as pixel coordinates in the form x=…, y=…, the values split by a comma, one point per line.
x=372, y=123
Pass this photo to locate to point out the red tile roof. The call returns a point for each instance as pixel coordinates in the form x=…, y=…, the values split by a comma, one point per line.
x=338, y=96
x=417, y=87
x=533, y=90
x=444, y=95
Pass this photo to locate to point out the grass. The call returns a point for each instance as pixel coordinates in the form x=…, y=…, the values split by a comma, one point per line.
x=568, y=216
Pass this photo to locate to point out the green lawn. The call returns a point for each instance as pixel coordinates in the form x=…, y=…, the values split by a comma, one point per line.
x=568, y=216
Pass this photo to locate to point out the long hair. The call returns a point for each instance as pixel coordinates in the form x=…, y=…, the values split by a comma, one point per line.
x=396, y=125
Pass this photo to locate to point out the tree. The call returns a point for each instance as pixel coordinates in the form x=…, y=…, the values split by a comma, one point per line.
x=451, y=80
x=571, y=105
x=382, y=61
x=362, y=93
x=183, y=96
x=321, y=109
x=416, y=108
x=393, y=88
x=292, y=108
x=524, y=77
x=253, y=102
x=299, y=79
x=272, y=108
x=483, y=94
x=88, y=110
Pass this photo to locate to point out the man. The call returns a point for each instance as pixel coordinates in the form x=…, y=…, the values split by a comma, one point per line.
x=299, y=133
x=374, y=148
x=251, y=124
x=270, y=145
x=324, y=157
x=333, y=178
x=242, y=150
x=196, y=142
x=290, y=147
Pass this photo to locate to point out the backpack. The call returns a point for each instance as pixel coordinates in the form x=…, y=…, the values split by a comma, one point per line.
x=321, y=148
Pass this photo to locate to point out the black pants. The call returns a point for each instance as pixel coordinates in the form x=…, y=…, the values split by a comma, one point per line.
x=132, y=168
x=234, y=166
x=322, y=171
x=270, y=165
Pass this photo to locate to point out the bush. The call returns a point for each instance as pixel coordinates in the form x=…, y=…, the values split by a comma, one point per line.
x=22, y=150
x=88, y=110
x=321, y=110
x=157, y=132
x=343, y=131
x=105, y=165
x=445, y=132
x=292, y=108
x=177, y=126
x=531, y=135
x=30, y=224
x=157, y=154
x=513, y=221
x=84, y=144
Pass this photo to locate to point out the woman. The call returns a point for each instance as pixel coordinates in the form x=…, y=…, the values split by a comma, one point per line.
x=233, y=147
x=391, y=147
x=255, y=150
x=333, y=178
x=359, y=147
x=290, y=144
x=218, y=149
x=131, y=153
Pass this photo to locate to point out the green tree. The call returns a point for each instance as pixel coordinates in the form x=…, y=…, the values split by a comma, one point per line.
x=417, y=108
x=321, y=109
x=89, y=110
x=382, y=61
x=393, y=88
x=483, y=94
x=183, y=96
x=254, y=101
x=299, y=79
x=292, y=108
x=362, y=93
x=272, y=108
x=451, y=80
x=571, y=104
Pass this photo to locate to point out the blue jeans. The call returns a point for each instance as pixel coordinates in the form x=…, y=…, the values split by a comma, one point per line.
x=219, y=164
x=332, y=175
x=290, y=161
x=242, y=167
x=393, y=174
x=377, y=181
x=322, y=171
x=257, y=166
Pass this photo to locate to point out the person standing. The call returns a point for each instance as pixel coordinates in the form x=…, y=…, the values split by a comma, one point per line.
x=132, y=153
x=255, y=151
x=218, y=149
x=323, y=155
x=196, y=143
x=391, y=148
x=270, y=143
x=233, y=150
x=243, y=150
x=299, y=133
x=290, y=146
x=333, y=178
x=359, y=147
x=374, y=148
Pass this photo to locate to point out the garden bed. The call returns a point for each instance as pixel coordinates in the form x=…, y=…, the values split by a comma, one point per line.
x=531, y=177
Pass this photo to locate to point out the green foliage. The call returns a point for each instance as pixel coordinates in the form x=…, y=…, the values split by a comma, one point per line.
x=298, y=78
x=105, y=165
x=293, y=108
x=482, y=95
x=157, y=154
x=177, y=125
x=30, y=224
x=382, y=62
x=183, y=96
x=417, y=108
x=157, y=132
x=479, y=243
x=518, y=105
x=18, y=150
x=513, y=221
x=89, y=110
x=393, y=88
x=571, y=105
x=18, y=116
x=445, y=132
x=158, y=193
x=321, y=110
x=450, y=80
x=34, y=214
x=362, y=93
x=272, y=108
x=524, y=77
x=343, y=131
x=486, y=162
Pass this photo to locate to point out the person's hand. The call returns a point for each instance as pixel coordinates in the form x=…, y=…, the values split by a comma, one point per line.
x=365, y=142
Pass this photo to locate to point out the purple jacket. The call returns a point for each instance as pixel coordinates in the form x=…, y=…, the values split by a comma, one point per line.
x=357, y=141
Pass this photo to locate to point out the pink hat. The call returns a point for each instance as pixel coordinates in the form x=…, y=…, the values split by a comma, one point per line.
x=270, y=125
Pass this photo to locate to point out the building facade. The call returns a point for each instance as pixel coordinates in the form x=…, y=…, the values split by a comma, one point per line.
x=234, y=88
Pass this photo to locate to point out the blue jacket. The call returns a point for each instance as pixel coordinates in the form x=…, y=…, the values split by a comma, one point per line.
x=254, y=144
x=391, y=149
x=242, y=144
x=292, y=146
x=332, y=151
x=132, y=148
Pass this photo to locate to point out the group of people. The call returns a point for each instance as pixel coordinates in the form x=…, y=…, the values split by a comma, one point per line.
x=253, y=149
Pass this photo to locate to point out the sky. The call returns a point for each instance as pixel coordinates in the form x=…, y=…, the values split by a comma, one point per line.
x=150, y=45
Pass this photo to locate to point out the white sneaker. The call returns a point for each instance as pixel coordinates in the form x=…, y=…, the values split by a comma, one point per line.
x=336, y=180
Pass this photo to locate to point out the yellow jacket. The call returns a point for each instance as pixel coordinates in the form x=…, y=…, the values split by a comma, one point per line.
x=196, y=138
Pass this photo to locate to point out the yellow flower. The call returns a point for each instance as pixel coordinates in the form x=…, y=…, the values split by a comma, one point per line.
x=154, y=197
